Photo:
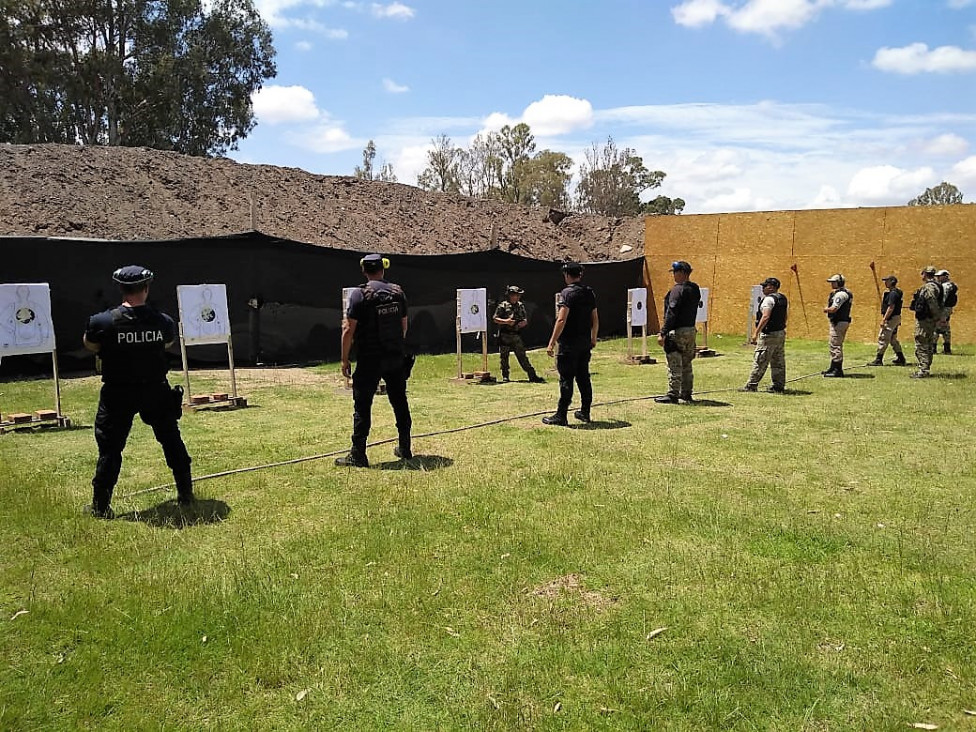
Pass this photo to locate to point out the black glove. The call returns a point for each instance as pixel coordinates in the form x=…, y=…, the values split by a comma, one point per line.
x=176, y=400
x=408, y=362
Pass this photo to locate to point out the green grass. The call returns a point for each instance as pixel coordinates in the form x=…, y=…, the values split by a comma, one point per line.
x=812, y=556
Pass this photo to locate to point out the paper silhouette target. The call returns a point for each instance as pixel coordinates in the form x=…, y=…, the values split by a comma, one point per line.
x=702, y=315
x=25, y=319
x=203, y=313
x=638, y=306
x=473, y=307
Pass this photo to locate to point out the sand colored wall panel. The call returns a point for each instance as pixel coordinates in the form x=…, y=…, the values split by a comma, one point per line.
x=731, y=252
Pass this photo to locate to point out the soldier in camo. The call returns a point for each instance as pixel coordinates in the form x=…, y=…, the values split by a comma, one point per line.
x=949, y=300
x=927, y=305
x=511, y=318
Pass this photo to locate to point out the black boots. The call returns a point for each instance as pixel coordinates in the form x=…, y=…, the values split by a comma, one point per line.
x=899, y=360
x=354, y=459
x=946, y=349
x=877, y=360
x=836, y=370
x=184, y=488
x=556, y=419
x=534, y=378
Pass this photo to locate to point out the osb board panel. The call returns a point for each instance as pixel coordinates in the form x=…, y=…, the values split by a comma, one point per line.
x=900, y=240
x=661, y=281
x=681, y=237
x=839, y=232
x=730, y=306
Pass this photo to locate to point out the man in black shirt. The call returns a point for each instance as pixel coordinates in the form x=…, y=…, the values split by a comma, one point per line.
x=575, y=330
x=678, y=333
x=376, y=321
x=891, y=303
x=131, y=340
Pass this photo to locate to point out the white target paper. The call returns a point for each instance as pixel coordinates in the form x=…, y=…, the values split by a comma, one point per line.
x=702, y=316
x=755, y=299
x=203, y=313
x=473, y=307
x=638, y=306
x=25, y=319
x=346, y=292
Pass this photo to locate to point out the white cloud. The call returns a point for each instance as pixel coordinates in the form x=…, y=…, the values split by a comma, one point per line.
x=271, y=10
x=963, y=174
x=827, y=197
x=557, y=114
x=280, y=104
x=880, y=183
x=303, y=46
x=917, y=58
x=945, y=146
x=410, y=162
x=328, y=137
x=395, y=10
x=765, y=17
x=394, y=88
x=738, y=199
x=959, y=4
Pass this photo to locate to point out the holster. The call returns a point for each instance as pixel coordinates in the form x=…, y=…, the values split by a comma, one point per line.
x=408, y=361
x=176, y=400
x=670, y=344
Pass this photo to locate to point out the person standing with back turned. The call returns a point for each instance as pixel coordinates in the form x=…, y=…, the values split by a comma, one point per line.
x=678, y=333
x=131, y=340
x=575, y=330
x=376, y=321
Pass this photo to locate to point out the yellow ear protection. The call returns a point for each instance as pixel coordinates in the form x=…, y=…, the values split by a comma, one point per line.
x=386, y=262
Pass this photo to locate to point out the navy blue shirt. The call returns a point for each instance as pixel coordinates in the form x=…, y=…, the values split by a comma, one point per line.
x=133, y=343
x=681, y=306
x=580, y=301
x=378, y=307
x=892, y=297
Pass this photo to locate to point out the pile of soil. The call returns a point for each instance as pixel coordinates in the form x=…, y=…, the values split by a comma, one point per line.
x=140, y=194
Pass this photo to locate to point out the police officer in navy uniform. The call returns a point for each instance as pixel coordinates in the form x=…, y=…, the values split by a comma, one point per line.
x=131, y=340
x=376, y=322
x=575, y=330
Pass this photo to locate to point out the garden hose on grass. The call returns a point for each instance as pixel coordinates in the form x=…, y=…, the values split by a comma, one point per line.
x=479, y=425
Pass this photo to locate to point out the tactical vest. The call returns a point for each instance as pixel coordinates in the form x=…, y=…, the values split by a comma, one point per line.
x=518, y=313
x=951, y=298
x=133, y=349
x=379, y=331
x=843, y=314
x=888, y=297
x=777, y=319
x=923, y=310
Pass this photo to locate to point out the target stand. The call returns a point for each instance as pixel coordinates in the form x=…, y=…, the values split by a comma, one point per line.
x=703, y=351
x=204, y=320
x=472, y=317
x=637, y=318
x=26, y=328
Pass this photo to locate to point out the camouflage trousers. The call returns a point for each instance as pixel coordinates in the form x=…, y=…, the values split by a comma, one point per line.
x=507, y=343
x=944, y=330
x=838, y=332
x=888, y=335
x=681, y=379
x=925, y=338
x=770, y=351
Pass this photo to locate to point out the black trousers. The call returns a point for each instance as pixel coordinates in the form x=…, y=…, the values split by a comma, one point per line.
x=365, y=379
x=574, y=366
x=117, y=407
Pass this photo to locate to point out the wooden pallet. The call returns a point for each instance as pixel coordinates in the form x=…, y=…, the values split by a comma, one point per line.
x=43, y=418
x=199, y=402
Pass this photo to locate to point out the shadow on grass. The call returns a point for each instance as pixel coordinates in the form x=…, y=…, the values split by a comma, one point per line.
x=33, y=429
x=417, y=462
x=707, y=403
x=170, y=515
x=849, y=375
x=796, y=392
x=949, y=376
x=601, y=424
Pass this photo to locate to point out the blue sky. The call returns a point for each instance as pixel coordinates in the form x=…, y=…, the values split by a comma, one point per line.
x=745, y=104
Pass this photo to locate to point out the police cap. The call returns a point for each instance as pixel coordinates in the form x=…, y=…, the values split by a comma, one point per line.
x=942, y=273
x=770, y=281
x=681, y=266
x=930, y=270
x=515, y=290
x=838, y=278
x=890, y=278
x=574, y=269
x=374, y=263
x=132, y=274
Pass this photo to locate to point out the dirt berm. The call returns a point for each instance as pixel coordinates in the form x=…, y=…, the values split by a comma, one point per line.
x=139, y=194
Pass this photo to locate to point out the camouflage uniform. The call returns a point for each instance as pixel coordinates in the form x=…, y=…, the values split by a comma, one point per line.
x=681, y=376
x=927, y=305
x=949, y=290
x=509, y=339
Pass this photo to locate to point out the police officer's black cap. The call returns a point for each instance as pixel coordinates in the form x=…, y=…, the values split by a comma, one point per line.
x=890, y=278
x=681, y=266
x=574, y=269
x=374, y=263
x=770, y=281
x=132, y=274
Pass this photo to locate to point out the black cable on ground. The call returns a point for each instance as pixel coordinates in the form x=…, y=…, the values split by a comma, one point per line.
x=479, y=425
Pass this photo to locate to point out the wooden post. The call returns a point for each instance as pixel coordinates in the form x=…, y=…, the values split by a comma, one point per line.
x=233, y=375
x=705, y=334
x=644, y=340
x=484, y=351
x=457, y=327
x=186, y=366
x=630, y=327
x=57, y=382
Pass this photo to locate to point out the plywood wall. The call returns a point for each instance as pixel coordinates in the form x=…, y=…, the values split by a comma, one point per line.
x=732, y=252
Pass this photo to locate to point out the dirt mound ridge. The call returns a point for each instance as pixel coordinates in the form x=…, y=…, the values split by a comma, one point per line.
x=137, y=194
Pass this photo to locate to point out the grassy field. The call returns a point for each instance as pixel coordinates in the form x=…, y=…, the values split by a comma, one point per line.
x=810, y=557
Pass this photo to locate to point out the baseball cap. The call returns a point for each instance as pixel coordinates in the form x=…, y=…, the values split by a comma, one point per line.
x=515, y=290
x=681, y=266
x=770, y=281
x=890, y=278
x=572, y=268
x=928, y=270
x=132, y=274
x=836, y=278
x=942, y=273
